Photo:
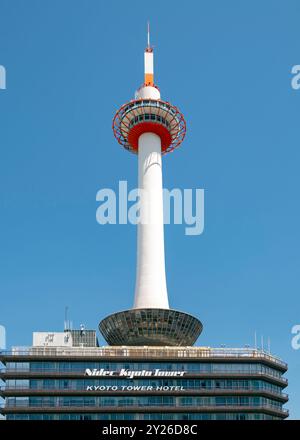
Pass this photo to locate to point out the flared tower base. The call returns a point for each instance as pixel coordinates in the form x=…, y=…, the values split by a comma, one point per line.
x=151, y=326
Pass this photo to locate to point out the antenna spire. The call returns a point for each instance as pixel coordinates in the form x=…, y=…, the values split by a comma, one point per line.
x=148, y=34
x=148, y=60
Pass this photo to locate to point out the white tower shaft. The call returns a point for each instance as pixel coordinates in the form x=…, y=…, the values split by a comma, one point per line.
x=151, y=287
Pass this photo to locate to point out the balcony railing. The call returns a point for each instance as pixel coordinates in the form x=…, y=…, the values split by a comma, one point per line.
x=159, y=407
x=146, y=353
x=189, y=390
x=55, y=372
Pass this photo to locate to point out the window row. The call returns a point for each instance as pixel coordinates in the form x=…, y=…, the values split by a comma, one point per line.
x=188, y=384
x=118, y=401
x=149, y=416
x=149, y=117
x=189, y=367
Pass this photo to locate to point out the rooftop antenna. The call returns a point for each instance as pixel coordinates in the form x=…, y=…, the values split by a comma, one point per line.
x=269, y=344
x=255, y=340
x=66, y=324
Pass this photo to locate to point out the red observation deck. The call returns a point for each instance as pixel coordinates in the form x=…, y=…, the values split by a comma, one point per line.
x=149, y=115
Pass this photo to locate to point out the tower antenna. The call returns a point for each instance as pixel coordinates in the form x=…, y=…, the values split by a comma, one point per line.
x=148, y=34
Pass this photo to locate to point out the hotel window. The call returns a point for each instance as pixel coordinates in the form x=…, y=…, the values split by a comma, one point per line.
x=220, y=401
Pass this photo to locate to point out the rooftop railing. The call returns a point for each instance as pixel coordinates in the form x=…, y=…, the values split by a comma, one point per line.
x=146, y=353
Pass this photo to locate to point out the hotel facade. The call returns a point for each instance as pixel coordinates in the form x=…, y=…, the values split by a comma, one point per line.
x=81, y=381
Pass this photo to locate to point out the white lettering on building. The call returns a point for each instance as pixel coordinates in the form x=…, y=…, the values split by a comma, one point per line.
x=131, y=374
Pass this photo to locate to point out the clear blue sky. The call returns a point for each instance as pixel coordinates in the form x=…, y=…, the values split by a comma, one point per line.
x=70, y=65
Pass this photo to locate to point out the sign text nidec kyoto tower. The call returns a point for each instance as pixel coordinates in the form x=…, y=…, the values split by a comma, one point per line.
x=150, y=128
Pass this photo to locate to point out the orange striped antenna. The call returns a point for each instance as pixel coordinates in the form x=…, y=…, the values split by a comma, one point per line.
x=148, y=57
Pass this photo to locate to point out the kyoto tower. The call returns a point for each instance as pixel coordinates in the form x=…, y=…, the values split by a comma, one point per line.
x=150, y=128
